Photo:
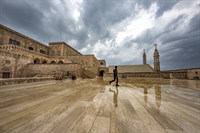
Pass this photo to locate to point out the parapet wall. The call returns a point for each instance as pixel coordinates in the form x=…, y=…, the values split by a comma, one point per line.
x=44, y=70
x=12, y=81
x=165, y=75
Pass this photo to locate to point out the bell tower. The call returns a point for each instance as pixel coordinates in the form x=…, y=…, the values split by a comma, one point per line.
x=156, y=60
x=144, y=58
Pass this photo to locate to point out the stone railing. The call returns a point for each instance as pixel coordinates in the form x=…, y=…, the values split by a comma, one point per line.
x=11, y=81
x=14, y=48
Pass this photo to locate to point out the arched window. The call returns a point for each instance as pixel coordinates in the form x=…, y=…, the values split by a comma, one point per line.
x=44, y=61
x=36, y=61
x=30, y=48
x=53, y=62
x=60, y=62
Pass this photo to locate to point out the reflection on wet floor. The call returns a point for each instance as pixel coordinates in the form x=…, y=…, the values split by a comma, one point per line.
x=115, y=95
x=193, y=84
x=93, y=106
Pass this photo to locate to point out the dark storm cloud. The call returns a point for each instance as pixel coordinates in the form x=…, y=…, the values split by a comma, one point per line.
x=99, y=16
x=96, y=27
x=23, y=15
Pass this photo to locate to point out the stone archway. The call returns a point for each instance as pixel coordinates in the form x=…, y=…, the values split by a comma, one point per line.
x=53, y=62
x=44, y=62
x=36, y=61
x=101, y=73
x=60, y=62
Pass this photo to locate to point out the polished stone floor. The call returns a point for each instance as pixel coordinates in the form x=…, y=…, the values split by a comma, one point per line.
x=89, y=106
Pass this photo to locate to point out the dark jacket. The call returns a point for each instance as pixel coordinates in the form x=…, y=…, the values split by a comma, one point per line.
x=115, y=72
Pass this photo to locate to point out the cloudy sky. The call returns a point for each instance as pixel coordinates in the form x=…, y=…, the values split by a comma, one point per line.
x=115, y=30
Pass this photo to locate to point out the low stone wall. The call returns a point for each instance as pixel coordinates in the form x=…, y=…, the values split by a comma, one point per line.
x=46, y=70
x=165, y=75
x=11, y=81
x=139, y=80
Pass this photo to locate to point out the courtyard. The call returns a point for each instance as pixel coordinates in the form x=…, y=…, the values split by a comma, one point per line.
x=91, y=106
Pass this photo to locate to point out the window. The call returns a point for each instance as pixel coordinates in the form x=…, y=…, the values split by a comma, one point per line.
x=60, y=62
x=7, y=62
x=6, y=75
x=36, y=61
x=53, y=62
x=42, y=51
x=30, y=48
x=44, y=61
x=14, y=42
x=52, y=52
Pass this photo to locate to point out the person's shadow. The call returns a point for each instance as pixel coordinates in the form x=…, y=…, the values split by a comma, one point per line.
x=115, y=96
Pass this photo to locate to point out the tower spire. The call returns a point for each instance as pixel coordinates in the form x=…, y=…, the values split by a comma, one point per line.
x=144, y=57
x=156, y=59
x=155, y=46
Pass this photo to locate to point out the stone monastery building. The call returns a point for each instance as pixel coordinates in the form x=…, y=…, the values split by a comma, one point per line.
x=21, y=56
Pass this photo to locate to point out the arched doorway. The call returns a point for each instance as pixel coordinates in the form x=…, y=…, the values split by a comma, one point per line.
x=36, y=61
x=101, y=73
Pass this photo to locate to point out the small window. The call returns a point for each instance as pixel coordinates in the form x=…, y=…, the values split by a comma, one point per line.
x=14, y=42
x=30, y=48
x=52, y=52
x=6, y=75
x=101, y=63
x=7, y=62
x=42, y=51
x=44, y=61
x=196, y=72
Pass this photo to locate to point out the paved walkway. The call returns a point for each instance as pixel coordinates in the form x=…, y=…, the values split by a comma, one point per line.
x=88, y=106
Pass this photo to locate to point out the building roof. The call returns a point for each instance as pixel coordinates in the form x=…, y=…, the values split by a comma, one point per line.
x=21, y=35
x=131, y=68
x=52, y=43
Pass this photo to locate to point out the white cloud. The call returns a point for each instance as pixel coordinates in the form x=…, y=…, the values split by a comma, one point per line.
x=134, y=26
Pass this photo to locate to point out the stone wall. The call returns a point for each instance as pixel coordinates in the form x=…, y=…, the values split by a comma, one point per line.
x=85, y=60
x=50, y=70
x=23, y=80
x=62, y=49
x=19, y=52
x=102, y=63
x=12, y=63
x=24, y=41
x=193, y=74
x=165, y=75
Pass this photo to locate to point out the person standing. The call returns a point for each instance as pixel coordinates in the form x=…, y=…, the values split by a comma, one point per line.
x=115, y=76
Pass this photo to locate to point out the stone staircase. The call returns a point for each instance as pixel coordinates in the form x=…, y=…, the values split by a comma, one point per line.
x=87, y=73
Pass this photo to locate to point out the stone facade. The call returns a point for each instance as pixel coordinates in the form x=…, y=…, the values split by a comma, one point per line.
x=21, y=56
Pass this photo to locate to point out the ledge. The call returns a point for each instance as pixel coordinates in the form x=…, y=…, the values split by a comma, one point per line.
x=11, y=81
